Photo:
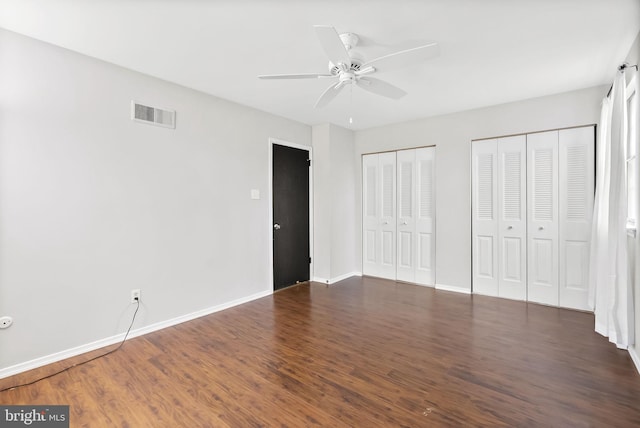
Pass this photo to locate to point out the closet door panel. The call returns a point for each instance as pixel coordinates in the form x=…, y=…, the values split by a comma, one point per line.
x=406, y=215
x=542, y=217
x=371, y=231
x=379, y=218
x=577, y=175
x=387, y=220
x=425, y=216
x=512, y=224
x=484, y=216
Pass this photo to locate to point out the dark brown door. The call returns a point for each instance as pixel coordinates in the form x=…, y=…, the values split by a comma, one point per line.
x=290, y=216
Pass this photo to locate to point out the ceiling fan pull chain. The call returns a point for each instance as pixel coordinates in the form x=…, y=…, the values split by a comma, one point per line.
x=351, y=105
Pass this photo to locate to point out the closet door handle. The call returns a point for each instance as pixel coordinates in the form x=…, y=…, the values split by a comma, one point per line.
x=541, y=228
x=509, y=227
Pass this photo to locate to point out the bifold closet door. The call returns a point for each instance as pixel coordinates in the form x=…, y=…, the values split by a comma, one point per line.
x=531, y=216
x=512, y=217
x=379, y=215
x=484, y=182
x=499, y=217
x=426, y=215
x=416, y=225
x=542, y=217
x=406, y=161
x=576, y=194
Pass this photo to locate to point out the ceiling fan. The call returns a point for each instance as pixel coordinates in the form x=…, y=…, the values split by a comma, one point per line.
x=349, y=67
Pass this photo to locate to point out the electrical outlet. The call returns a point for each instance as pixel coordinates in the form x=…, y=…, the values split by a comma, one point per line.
x=5, y=322
x=135, y=295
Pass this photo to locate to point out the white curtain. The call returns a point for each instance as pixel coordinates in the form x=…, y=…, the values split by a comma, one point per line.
x=610, y=293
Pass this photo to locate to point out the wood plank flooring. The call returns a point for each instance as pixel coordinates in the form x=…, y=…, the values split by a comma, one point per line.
x=364, y=352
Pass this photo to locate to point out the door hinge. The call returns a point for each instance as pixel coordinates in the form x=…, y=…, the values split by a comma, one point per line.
x=309, y=260
x=308, y=162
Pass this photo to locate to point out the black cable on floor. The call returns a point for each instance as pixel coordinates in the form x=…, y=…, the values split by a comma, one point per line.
x=84, y=362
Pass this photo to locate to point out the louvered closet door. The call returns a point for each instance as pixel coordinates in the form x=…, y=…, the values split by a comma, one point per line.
x=512, y=223
x=406, y=270
x=379, y=206
x=387, y=185
x=425, y=216
x=577, y=176
x=542, y=217
x=484, y=216
x=371, y=216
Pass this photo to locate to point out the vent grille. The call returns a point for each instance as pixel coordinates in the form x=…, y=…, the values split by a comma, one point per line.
x=153, y=115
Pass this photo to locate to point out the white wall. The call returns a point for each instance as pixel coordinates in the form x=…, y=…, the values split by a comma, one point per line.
x=345, y=217
x=336, y=217
x=321, y=138
x=452, y=135
x=93, y=205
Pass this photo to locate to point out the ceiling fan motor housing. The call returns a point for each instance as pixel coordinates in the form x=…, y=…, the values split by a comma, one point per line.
x=350, y=41
x=349, y=67
x=357, y=59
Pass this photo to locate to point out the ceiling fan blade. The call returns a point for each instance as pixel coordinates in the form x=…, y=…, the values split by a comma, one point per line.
x=404, y=58
x=332, y=45
x=380, y=87
x=329, y=94
x=295, y=76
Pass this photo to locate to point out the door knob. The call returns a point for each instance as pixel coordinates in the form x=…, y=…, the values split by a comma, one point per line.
x=541, y=228
x=509, y=227
x=276, y=226
x=405, y=222
x=385, y=222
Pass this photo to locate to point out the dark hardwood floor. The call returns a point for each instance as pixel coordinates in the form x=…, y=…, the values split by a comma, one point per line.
x=364, y=352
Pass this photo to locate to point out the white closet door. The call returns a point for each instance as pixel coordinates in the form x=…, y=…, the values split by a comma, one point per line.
x=484, y=216
x=512, y=221
x=387, y=203
x=406, y=270
x=379, y=202
x=576, y=207
x=370, y=216
x=542, y=214
x=425, y=216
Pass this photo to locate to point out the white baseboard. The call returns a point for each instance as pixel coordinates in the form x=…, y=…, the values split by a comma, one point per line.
x=445, y=287
x=345, y=276
x=72, y=352
x=634, y=357
x=336, y=279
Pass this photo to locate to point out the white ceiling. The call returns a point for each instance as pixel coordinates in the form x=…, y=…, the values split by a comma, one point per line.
x=492, y=51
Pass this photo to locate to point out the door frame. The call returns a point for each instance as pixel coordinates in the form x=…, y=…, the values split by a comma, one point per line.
x=309, y=150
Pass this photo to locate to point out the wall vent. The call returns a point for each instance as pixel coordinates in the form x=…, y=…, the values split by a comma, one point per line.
x=153, y=115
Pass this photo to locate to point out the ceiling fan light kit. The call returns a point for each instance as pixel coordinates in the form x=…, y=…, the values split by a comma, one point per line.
x=349, y=66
